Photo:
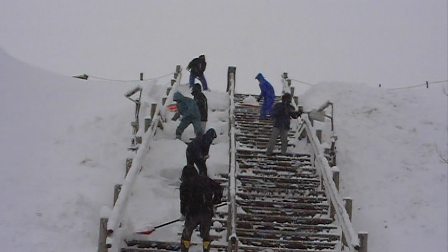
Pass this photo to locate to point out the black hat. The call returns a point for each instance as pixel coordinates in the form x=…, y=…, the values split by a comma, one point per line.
x=286, y=96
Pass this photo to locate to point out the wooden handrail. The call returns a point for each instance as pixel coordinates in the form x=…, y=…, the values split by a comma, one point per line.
x=115, y=216
x=232, y=236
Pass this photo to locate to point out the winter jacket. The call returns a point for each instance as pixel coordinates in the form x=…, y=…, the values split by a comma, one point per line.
x=198, y=194
x=197, y=66
x=201, y=101
x=281, y=113
x=267, y=91
x=199, y=147
x=186, y=107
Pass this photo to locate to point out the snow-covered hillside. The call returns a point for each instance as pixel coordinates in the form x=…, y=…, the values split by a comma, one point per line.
x=64, y=143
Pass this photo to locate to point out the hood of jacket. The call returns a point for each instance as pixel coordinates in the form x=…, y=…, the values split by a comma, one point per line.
x=259, y=77
x=178, y=97
x=197, y=89
x=208, y=137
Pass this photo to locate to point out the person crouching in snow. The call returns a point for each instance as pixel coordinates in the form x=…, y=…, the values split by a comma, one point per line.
x=198, y=148
x=198, y=194
x=188, y=109
x=201, y=101
x=268, y=96
x=281, y=113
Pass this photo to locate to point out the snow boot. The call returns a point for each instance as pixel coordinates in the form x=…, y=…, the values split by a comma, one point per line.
x=184, y=245
x=205, y=246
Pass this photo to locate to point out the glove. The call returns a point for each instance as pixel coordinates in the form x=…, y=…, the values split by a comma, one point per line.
x=182, y=217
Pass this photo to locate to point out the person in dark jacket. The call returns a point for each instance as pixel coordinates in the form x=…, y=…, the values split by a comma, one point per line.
x=197, y=67
x=281, y=113
x=267, y=95
x=201, y=101
x=198, y=148
x=188, y=109
x=198, y=194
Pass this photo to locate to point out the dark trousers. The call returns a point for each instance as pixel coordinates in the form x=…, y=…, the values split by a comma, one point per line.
x=192, y=160
x=201, y=78
x=283, y=133
x=192, y=221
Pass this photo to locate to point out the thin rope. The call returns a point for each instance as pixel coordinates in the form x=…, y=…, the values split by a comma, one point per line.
x=100, y=78
x=301, y=82
x=424, y=84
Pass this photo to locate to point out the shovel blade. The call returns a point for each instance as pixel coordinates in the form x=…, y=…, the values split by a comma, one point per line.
x=146, y=232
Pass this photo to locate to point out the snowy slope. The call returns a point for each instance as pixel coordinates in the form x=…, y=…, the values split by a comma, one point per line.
x=388, y=154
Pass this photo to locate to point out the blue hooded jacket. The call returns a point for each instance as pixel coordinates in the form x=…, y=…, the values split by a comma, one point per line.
x=186, y=106
x=267, y=91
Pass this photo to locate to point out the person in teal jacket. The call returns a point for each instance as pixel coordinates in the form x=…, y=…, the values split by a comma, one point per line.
x=188, y=109
x=268, y=96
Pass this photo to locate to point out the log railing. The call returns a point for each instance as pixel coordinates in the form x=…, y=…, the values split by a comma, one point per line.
x=231, y=222
x=110, y=222
x=340, y=210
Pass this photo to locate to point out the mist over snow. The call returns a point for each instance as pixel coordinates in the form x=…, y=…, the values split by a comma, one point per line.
x=395, y=43
x=64, y=143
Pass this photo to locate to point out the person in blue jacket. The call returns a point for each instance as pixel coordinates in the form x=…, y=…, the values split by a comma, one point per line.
x=281, y=113
x=268, y=96
x=188, y=109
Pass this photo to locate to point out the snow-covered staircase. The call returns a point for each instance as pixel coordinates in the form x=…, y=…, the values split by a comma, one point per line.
x=273, y=203
x=280, y=204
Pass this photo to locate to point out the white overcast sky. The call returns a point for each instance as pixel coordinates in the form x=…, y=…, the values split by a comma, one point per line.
x=393, y=42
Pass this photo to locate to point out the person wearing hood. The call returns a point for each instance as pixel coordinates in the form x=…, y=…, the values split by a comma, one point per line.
x=197, y=67
x=268, y=96
x=198, y=195
x=281, y=113
x=201, y=101
x=198, y=148
x=188, y=109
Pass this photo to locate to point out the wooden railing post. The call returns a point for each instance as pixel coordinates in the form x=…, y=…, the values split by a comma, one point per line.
x=348, y=202
x=362, y=241
x=348, y=208
x=319, y=135
x=103, y=235
x=128, y=166
x=336, y=178
x=168, y=89
x=231, y=69
x=336, y=182
x=148, y=121
x=117, y=190
x=153, y=109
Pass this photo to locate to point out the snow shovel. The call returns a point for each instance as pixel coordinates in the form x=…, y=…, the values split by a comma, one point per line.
x=149, y=231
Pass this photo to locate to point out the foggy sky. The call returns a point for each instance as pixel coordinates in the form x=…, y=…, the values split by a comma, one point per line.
x=396, y=43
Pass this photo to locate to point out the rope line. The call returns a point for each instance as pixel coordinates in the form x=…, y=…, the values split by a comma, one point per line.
x=302, y=82
x=100, y=78
x=424, y=84
x=407, y=87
